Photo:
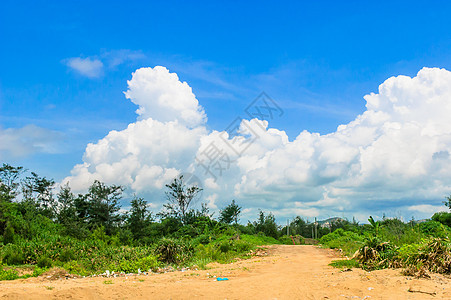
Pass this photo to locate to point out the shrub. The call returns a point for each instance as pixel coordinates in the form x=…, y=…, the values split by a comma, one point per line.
x=8, y=235
x=433, y=228
x=44, y=262
x=8, y=274
x=442, y=217
x=143, y=264
x=66, y=255
x=375, y=254
x=173, y=251
x=348, y=241
x=12, y=255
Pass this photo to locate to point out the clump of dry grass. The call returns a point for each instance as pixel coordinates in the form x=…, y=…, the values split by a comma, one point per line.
x=375, y=254
x=433, y=255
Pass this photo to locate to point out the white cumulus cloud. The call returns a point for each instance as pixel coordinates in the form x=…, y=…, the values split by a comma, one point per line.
x=394, y=156
x=161, y=96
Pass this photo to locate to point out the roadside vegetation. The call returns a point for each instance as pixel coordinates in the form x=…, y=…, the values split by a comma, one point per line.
x=86, y=234
x=419, y=247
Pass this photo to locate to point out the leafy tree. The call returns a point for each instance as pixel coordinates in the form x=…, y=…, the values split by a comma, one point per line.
x=66, y=206
x=103, y=206
x=448, y=202
x=230, y=213
x=139, y=217
x=180, y=196
x=9, y=184
x=266, y=224
x=39, y=190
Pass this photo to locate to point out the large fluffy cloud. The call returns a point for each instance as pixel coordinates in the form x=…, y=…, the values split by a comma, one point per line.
x=394, y=156
x=162, y=96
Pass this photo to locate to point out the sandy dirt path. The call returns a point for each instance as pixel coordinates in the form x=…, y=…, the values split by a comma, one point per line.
x=288, y=272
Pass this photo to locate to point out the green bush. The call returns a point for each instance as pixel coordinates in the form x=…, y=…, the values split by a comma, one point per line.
x=434, y=228
x=348, y=241
x=44, y=262
x=66, y=255
x=8, y=274
x=11, y=255
x=143, y=264
x=442, y=217
x=173, y=251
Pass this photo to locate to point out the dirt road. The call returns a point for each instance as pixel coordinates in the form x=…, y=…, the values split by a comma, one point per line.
x=288, y=272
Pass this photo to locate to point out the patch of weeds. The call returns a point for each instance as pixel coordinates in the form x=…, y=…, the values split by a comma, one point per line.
x=344, y=263
x=108, y=282
x=49, y=287
x=44, y=262
x=8, y=274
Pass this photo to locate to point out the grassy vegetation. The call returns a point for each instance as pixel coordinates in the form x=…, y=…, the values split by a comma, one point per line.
x=417, y=247
x=88, y=234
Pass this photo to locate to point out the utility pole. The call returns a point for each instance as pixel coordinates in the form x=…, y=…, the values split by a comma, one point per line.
x=316, y=230
x=288, y=228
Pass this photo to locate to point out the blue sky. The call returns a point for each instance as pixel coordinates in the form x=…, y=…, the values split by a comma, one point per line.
x=317, y=59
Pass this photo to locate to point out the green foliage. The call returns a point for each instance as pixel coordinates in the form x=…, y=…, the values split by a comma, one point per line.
x=12, y=256
x=8, y=234
x=267, y=225
x=144, y=264
x=44, y=262
x=288, y=240
x=139, y=218
x=345, y=263
x=230, y=213
x=180, y=197
x=442, y=217
x=434, y=228
x=104, y=206
x=173, y=251
x=259, y=240
x=348, y=241
x=448, y=202
x=374, y=225
x=8, y=274
x=66, y=255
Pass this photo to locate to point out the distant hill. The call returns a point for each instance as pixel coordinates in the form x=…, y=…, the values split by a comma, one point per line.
x=327, y=222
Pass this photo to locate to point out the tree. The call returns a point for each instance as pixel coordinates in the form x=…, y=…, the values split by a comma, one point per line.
x=448, y=202
x=266, y=224
x=180, y=196
x=66, y=206
x=9, y=185
x=39, y=190
x=139, y=218
x=103, y=206
x=230, y=213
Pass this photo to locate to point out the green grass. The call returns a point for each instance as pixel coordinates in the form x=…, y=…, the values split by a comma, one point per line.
x=349, y=242
x=259, y=240
x=344, y=263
